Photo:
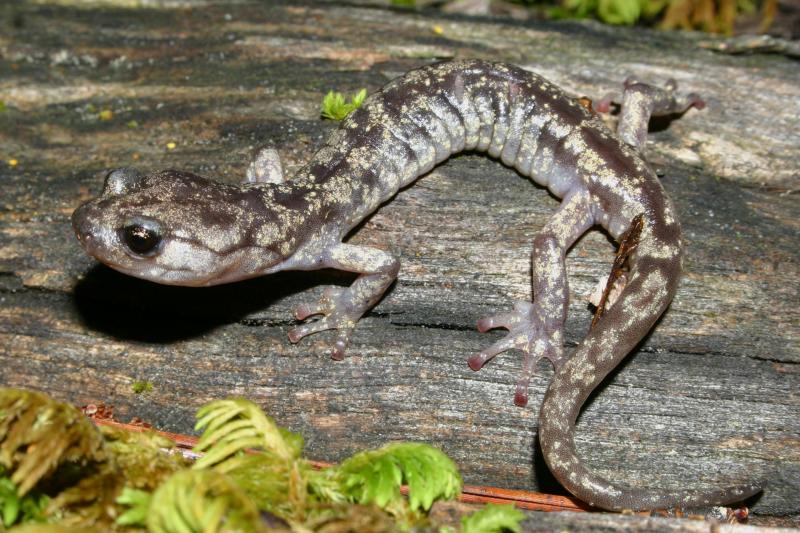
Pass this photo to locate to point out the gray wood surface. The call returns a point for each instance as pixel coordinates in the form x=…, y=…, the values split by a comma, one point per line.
x=711, y=397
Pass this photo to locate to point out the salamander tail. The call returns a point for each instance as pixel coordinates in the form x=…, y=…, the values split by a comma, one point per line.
x=647, y=293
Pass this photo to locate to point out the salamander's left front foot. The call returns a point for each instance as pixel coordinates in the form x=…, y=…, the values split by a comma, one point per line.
x=340, y=314
x=526, y=332
x=343, y=307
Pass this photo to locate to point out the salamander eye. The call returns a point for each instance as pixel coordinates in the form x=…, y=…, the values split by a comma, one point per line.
x=142, y=238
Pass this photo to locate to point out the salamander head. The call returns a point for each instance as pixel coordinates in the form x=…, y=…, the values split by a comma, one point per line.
x=178, y=228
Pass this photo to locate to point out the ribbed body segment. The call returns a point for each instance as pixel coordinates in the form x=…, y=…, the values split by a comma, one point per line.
x=418, y=121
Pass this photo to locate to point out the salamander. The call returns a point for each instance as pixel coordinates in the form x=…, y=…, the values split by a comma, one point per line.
x=175, y=227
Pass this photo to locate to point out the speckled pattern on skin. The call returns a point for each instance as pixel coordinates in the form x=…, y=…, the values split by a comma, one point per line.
x=178, y=228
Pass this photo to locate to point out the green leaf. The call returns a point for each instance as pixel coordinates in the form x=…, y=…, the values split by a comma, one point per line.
x=493, y=518
x=9, y=501
x=335, y=107
x=358, y=99
x=619, y=11
x=15, y=509
x=230, y=427
x=375, y=476
x=139, y=503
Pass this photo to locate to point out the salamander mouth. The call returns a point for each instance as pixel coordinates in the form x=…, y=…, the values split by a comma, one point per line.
x=94, y=248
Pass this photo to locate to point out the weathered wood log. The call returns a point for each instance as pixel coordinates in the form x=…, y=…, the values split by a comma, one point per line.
x=711, y=397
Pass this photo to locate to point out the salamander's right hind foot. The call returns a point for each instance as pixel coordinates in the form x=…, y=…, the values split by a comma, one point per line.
x=527, y=333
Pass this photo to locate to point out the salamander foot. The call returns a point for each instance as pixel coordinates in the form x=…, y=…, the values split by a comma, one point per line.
x=526, y=332
x=340, y=314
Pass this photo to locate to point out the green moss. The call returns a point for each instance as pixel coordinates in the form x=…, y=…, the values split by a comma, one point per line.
x=15, y=509
x=110, y=478
x=667, y=14
x=335, y=107
x=493, y=518
x=139, y=387
x=375, y=476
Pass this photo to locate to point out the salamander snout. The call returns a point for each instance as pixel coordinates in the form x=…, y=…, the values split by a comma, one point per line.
x=84, y=223
x=80, y=223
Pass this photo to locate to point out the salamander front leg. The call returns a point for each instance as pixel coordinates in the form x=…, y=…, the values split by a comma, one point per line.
x=343, y=307
x=537, y=329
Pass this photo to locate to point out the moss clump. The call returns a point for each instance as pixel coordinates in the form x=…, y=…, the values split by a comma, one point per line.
x=335, y=107
x=141, y=386
x=57, y=467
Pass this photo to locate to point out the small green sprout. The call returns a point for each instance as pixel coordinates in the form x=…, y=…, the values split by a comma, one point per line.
x=334, y=106
x=142, y=386
x=13, y=508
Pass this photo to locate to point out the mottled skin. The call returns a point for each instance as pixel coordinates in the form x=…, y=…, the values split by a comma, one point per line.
x=178, y=228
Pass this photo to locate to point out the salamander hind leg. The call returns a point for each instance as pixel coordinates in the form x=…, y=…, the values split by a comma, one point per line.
x=343, y=307
x=537, y=328
x=640, y=101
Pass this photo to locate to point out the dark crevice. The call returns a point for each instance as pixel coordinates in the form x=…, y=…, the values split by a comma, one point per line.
x=714, y=353
x=262, y=322
x=438, y=326
x=33, y=290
